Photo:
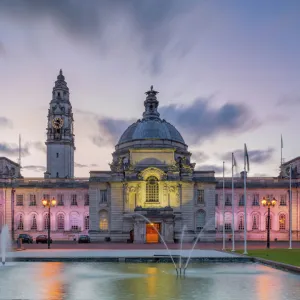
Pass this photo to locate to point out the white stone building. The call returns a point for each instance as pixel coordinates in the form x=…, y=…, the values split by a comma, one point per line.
x=151, y=176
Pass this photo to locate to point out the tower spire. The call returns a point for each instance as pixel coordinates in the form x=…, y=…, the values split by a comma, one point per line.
x=151, y=104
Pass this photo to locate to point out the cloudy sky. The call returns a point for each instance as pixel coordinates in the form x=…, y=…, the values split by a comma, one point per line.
x=228, y=73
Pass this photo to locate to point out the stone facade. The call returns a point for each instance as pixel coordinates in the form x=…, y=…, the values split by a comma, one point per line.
x=151, y=181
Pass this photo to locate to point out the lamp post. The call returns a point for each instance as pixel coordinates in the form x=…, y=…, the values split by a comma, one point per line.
x=49, y=203
x=268, y=203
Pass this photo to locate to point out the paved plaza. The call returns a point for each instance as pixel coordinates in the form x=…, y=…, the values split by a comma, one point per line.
x=187, y=246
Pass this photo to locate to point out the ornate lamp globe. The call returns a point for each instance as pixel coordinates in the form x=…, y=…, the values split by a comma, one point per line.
x=53, y=202
x=264, y=201
x=44, y=201
x=273, y=202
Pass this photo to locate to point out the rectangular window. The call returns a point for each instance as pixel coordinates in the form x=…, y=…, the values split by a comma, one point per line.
x=241, y=200
x=228, y=201
x=282, y=200
x=60, y=200
x=103, y=196
x=74, y=199
x=32, y=200
x=217, y=200
x=57, y=155
x=200, y=196
x=255, y=201
x=20, y=199
x=87, y=222
x=86, y=200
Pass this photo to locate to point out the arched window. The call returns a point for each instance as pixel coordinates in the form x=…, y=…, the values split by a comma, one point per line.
x=241, y=222
x=200, y=219
x=46, y=221
x=152, y=190
x=33, y=223
x=74, y=221
x=87, y=222
x=20, y=223
x=61, y=222
x=228, y=221
x=267, y=222
x=282, y=222
x=255, y=222
x=103, y=224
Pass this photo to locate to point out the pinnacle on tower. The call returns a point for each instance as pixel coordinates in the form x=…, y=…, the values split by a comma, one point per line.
x=60, y=83
x=151, y=104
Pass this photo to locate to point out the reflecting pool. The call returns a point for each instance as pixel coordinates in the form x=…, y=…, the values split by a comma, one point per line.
x=55, y=281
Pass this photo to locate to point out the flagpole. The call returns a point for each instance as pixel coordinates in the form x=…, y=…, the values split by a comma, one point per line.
x=281, y=154
x=223, y=207
x=290, y=210
x=232, y=202
x=245, y=201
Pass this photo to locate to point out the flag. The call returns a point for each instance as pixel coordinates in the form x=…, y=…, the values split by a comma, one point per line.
x=281, y=142
x=234, y=164
x=246, y=158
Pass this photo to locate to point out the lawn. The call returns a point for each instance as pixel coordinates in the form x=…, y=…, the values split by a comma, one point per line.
x=286, y=256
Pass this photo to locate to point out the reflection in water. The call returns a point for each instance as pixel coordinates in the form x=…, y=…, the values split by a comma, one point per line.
x=125, y=281
x=49, y=280
x=152, y=281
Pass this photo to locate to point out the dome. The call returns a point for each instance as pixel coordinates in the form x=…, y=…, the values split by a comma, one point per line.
x=151, y=128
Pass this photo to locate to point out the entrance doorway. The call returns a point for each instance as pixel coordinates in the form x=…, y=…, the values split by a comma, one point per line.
x=151, y=234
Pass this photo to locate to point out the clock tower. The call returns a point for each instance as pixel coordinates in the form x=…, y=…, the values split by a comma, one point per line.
x=60, y=134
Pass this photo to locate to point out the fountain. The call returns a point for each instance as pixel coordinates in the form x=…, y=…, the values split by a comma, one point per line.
x=4, y=243
x=198, y=236
x=179, y=267
x=180, y=254
x=162, y=239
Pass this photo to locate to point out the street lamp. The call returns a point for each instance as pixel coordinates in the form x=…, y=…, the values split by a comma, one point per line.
x=269, y=203
x=48, y=203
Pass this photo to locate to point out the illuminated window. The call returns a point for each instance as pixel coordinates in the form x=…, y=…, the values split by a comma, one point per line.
x=255, y=221
x=34, y=223
x=20, y=223
x=46, y=221
x=103, y=224
x=60, y=222
x=241, y=223
x=87, y=222
x=282, y=221
x=152, y=190
x=270, y=222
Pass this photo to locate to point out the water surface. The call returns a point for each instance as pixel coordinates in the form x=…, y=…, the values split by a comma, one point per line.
x=56, y=281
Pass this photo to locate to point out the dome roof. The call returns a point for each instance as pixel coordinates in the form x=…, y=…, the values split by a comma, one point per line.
x=151, y=127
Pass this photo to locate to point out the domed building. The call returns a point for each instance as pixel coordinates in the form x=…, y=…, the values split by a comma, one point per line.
x=152, y=183
x=152, y=187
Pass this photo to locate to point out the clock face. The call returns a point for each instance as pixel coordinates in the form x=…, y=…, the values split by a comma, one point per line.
x=57, y=122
